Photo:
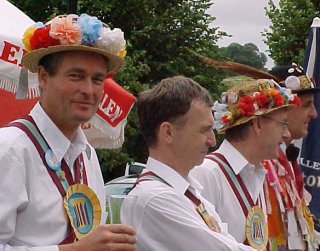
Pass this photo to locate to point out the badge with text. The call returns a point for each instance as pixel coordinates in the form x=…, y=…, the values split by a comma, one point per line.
x=257, y=229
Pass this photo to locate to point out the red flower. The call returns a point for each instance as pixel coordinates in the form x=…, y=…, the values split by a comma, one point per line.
x=42, y=39
x=225, y=119
x=296, y=101
x=278, y=99
x=261, y=99
x=246, y=106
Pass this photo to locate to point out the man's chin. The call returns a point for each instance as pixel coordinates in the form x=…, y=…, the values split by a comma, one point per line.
x=83, y=118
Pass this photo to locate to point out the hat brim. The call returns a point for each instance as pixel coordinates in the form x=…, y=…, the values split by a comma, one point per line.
x=31, y=59
x=244, y=120
x=306, y=91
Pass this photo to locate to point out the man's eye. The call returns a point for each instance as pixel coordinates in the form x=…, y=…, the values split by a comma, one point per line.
x=98, y=81
x=74, y=76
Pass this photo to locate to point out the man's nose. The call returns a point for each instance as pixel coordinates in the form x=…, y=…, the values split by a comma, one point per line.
x=286, y=135
x=211, y=141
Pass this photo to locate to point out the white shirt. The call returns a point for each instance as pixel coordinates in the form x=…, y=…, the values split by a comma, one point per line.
x=31, y=207
x=165, y=219
x=218, y=191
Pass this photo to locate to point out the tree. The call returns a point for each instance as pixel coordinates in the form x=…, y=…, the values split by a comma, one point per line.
x=289, y=29
x=157, y=33
x=247, y=54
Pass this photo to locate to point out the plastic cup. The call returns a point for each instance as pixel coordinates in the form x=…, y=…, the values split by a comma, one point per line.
x=115, y=203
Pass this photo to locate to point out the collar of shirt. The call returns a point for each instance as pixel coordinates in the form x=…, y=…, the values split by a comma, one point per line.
x=60, y=145
x=173, y=178
x=283, y=147
x=252, y=176
x=233, y=156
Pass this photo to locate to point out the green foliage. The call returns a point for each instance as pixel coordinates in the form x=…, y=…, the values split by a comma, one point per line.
x=157, y=33
x=288, y=33
x=247, y=54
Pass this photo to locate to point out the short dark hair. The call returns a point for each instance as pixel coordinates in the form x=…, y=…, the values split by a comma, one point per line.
x=238, y=133
x=168, y=101
x=50, y=62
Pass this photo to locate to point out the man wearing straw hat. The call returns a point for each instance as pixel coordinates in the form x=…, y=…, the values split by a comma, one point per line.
x=253, y=116
x=52, y=193
x=290, y=222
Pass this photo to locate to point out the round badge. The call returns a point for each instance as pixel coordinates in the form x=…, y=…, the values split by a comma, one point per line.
x=232, y=97
x=293, y=83
x=52, y=161
x=256, y=229
x=83, y=208
x=224, y=98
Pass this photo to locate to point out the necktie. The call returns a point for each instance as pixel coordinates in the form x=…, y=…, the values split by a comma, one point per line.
x=292, y=153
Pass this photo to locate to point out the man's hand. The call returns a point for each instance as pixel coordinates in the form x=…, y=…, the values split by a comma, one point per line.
x=109, y=237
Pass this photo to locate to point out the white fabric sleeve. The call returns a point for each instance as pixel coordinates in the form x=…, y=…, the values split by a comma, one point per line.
x=168, y=212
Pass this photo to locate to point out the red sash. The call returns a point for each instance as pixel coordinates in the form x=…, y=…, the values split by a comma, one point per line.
x=235, y=182
x=242, y=194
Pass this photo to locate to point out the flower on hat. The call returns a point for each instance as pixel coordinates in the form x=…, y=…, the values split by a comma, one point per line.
x=112, y=40
x=42, y=39
x=90, y=27
x=261, y=99
x=75, y=30
x=66, y=30
x=28, y=33
x=246, y=106
x=250, y=105
x=276, y=97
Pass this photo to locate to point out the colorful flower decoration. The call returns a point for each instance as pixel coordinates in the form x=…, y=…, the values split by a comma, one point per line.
x=66, y=30
x=75, y=30
x=226, y=113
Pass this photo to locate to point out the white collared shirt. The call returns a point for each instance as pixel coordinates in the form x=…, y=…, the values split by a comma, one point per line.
x=31, y=207
x=165, y=219
x=217, y=190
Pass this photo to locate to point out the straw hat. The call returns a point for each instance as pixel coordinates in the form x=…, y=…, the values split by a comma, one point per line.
x=252, y=98
x=294, y=78
x=73, y=33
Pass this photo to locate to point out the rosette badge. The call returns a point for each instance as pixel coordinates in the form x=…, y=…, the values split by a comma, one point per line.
x=73, y=33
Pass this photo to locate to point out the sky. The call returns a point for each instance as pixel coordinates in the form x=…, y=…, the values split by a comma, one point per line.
x=244, y=20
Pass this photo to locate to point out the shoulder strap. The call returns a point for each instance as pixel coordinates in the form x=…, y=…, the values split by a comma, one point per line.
x=28, y=126
x=235, y=182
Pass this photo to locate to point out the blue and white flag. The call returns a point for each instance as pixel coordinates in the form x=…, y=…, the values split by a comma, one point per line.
x=310, y=151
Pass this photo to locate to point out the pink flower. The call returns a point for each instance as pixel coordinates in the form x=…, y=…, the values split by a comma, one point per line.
x=66, y=30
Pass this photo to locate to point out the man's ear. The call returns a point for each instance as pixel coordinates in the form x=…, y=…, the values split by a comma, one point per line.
x=166, y=132
x=42, y=77
x=256, y=125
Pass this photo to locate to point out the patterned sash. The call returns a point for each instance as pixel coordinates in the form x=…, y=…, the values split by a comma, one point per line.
x=235, y=181
x=256, y=229
x=62, y=178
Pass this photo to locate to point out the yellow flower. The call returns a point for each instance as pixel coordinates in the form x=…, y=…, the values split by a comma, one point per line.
x=122, y=53
x=26, y=37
